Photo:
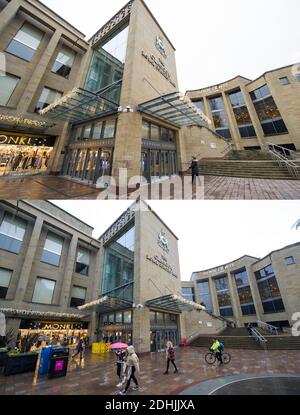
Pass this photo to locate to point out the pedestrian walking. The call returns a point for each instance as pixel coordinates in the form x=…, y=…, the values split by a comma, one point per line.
x=195, y=169
x=132, y=367
x=79, y=349
x=121, y=364
x=170, y=355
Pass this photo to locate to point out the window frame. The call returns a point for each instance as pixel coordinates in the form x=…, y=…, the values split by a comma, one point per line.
x=52, y=252
x=23, y=43
x=12, y=76
x=47, y=279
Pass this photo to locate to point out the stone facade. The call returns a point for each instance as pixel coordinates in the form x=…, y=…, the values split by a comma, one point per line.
x=286, y=277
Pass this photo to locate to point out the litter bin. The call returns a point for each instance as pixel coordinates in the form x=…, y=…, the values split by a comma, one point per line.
x=58, y=364
x=46, y=354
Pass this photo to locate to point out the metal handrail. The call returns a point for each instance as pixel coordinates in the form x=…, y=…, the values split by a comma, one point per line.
x=283, y=161
x=259, y=337
x=268, y=327
x=286, y=152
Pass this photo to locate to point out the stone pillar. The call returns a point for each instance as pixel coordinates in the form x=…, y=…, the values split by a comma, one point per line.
x=254, y=117
x=98, y=274
x=232, y=122
x=28, y=260
x=235, y=300
x=8, y=13
x=68, y=275
x=214, y=297
x=38, y=73
x=61, y=144
x=141, y=330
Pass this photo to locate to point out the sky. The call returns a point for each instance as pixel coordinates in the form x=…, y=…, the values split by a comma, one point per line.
x=211, y=233
x=215, y=40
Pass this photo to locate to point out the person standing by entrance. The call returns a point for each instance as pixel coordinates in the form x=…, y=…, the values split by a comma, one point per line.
x=195, y=169
x=170, y=354
x=79, y=349
x=133, y=367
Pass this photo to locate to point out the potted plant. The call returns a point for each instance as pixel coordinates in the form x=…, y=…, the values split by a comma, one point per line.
x=4, y=346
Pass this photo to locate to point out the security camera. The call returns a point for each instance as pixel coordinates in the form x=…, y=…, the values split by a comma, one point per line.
x=120, y=109
x=128, y=109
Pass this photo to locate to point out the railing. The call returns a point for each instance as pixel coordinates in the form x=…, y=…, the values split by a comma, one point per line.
x=259, y=338
x=229, y=323
x=268, y=327
x=279, y=154
x=282, y=150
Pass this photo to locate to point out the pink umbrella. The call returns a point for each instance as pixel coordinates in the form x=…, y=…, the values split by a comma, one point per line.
x=118, y=346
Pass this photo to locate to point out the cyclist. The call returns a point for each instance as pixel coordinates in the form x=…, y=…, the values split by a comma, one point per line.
x=217, y=348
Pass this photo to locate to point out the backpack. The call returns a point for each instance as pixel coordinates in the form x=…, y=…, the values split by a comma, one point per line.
x=221, y=347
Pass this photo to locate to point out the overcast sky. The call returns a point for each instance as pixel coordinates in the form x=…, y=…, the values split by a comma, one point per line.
x=211, y=233
x=215, y=40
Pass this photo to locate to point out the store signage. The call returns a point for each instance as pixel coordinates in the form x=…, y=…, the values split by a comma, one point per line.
x=162, y=262
x=160, y=66
x=12, y=138
x=163, y=242
x=223, y=268
x=118, y=18
x=214, y=89
x=160, y=46
x=53, y=325
x=117, y=226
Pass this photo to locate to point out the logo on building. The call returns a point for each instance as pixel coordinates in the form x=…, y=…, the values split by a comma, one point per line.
x=163, y=242
x=160, y=46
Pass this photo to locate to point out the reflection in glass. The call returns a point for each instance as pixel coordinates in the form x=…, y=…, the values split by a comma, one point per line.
x=244, y=293
x=204, y=295
x=220, y=117
x=223, y=295
x=107, y=65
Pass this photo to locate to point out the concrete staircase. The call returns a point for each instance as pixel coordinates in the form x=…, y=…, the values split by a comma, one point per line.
x=245, y=155
x=239, y=339
x=256, y=169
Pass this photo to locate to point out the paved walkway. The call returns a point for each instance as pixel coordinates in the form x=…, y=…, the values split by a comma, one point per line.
x=215, y=188
x=96, y=375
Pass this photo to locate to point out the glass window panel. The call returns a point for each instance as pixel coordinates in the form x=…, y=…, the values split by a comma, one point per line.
x=66, y=56
x=5, y=277
x=29, y=35
x=268, y=128
x=199, y=104
x=48, y=96
x=8, y=84
x=13, y=227
x=109, y=130
x=79, y=292
x=97, y=130
x=43, y=291
x=87, y=132
x=284, y=81
x=111, y=318
x=226, y=312
x=127, y=317
x=290, y=260
x=20, y=50
x=146, y=131
x=280, y=126
x=216, y=103
x=155, y=134
x=54, y=243
x=119, y=317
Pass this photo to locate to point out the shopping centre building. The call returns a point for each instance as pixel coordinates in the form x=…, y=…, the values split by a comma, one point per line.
x=250, y=289
x=59, y=282
x=86, y=109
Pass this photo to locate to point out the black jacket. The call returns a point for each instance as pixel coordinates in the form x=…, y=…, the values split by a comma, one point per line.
x=195, y=167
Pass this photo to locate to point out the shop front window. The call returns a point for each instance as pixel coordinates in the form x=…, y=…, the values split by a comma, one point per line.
x=5, y=278
x=119, y=266
x=12, y=231
x=268, y=112
x=107, y=65
x=244, y=293
x=269, y=290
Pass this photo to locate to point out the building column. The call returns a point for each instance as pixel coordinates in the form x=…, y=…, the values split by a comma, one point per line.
x=28, y=260
x=232, y=122
x=96, y=290
x=254, y=117
x=141, y=330
x=68, y=275
x=254, y=291
x=8, y=13
x=214, y=297
x=38, y=73
x=235, y=300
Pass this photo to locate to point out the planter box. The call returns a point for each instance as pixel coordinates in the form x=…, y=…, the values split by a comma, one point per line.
x=20, y=364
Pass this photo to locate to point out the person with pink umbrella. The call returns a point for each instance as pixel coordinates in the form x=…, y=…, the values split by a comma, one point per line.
x=120, y=350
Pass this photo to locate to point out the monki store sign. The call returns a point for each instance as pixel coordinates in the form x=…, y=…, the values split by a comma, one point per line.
x=16, y=139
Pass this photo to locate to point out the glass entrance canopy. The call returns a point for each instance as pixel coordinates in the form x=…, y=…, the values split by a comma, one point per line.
x=81, y=105
x=175, y=109
x=174, y=303
x=106, y=304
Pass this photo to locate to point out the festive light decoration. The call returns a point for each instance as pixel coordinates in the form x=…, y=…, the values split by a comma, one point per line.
x=17, y=121
x=31, y=313
x=187, y=302
x=93, y=303
x=63, y=101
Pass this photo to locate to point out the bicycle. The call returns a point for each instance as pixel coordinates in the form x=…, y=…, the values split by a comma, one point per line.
x=211, y=358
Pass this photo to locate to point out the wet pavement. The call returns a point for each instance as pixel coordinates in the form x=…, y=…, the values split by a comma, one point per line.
x=96, y=375
x=215, y=188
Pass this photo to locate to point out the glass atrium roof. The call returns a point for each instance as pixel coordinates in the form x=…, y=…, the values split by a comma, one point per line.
x=175, y=109
x=174, y=303
x=81, y=105
x=106, y=304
